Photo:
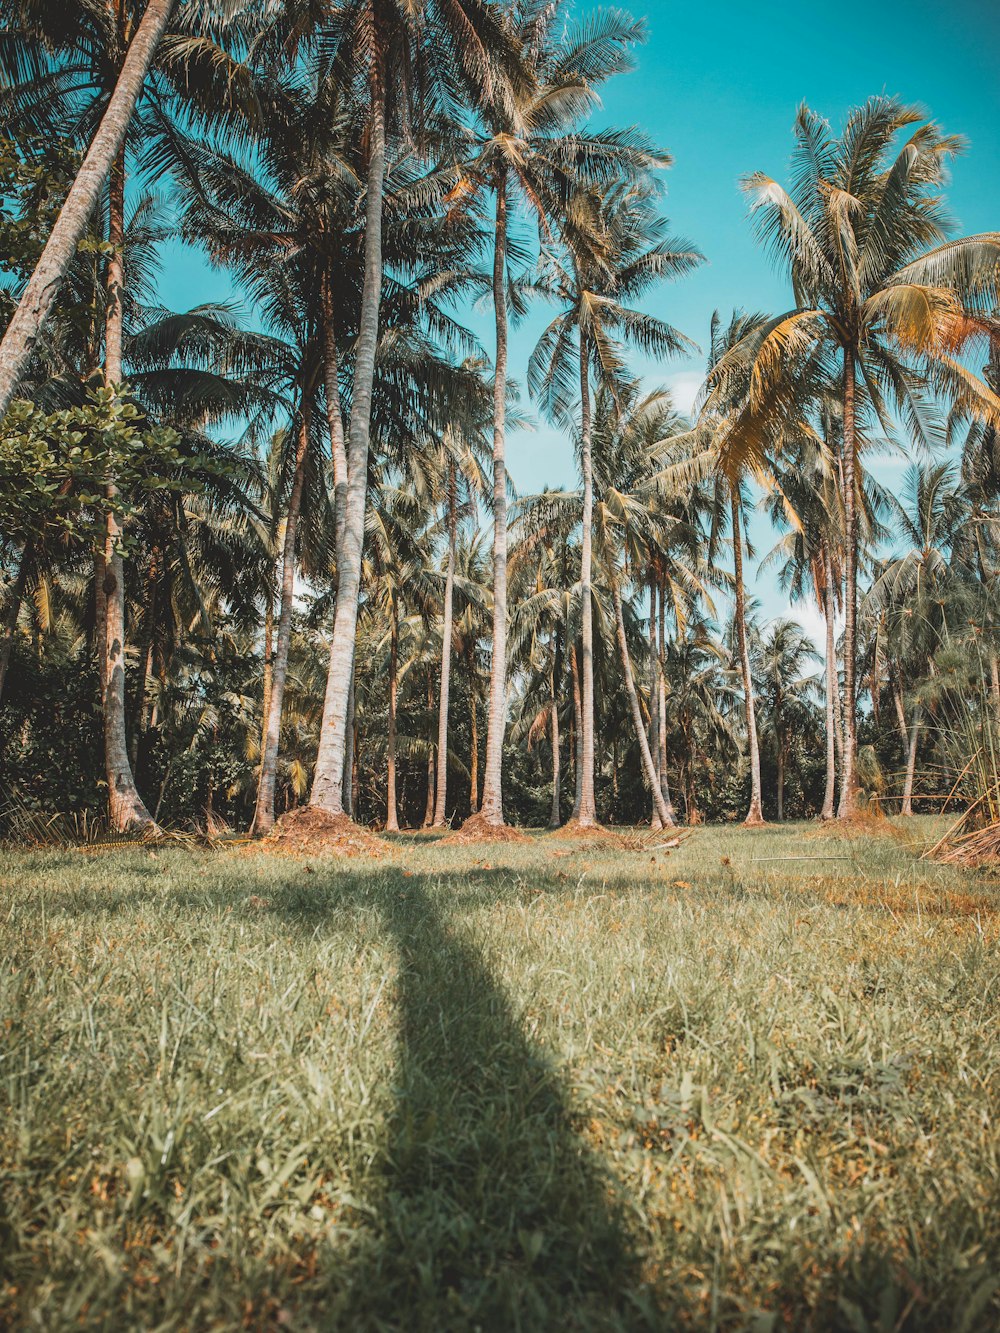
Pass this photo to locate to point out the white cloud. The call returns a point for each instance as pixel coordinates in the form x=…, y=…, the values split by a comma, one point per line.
x=684, y=386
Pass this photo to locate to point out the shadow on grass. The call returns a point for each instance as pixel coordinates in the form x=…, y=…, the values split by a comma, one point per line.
x=492, y=1212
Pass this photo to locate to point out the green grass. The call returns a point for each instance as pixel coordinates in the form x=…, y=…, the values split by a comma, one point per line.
x=534, y=1086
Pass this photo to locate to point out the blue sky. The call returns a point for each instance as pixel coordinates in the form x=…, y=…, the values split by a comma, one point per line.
x=717, y=85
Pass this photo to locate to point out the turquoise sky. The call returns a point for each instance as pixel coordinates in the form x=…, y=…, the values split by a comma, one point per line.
x=717, y=85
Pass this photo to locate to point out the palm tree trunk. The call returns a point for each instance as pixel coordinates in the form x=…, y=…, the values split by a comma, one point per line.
x=755, y=815
x=43, y=287
x=264, y=813
x=648, y=767
x=431, y=785
x=446, y=636
x=349, y=786
x=328, y=780
x=654, y=671
x=662, y=710
x=587, y=813
x=849, y=781
x=125, y=806
x=781, y=780
x=474, y=755
x=911, y=762
x=12, y=612
x=831, y=691
x=555, y=814
x=334, y=415
x=268, y=668
x=391, y=815
x=145, y=660
x=492, y=805
x=577, y=747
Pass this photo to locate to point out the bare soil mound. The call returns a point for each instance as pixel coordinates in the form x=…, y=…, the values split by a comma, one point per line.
x=310, y=830
x=477, y=828
x=596, y=835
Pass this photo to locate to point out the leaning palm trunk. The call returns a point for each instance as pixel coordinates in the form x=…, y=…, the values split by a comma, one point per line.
x=831, y=693
x=648, y=766
x=125, y=806
x=43, y=287
x=492, y=804
x=13, y=611
x=446, y=634
x=848, y=780
x=755, y=814
x=586, y=813
x=328, y=781
x=264, y=813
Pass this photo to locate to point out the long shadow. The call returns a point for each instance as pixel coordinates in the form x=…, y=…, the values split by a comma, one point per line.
x=493, y=1213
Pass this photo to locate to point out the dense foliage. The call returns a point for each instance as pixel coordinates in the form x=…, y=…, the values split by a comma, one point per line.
x=253, y=558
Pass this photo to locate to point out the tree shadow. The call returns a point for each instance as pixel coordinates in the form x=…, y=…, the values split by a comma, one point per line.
x=492, y=1212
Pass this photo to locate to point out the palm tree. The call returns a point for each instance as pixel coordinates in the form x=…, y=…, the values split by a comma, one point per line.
x=881, y=310
x=925, y=592
x=781, y=656
x=433, y=41
x=39, y=295
x=626, y=252
x=532, y=146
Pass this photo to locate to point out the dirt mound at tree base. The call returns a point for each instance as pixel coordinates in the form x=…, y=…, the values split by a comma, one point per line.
x=308, y=829
x=863, y=823
x=477, y=828
x=596, y=835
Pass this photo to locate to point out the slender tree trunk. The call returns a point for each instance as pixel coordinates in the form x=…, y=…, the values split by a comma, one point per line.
x=648, y=766
x=555, y=814
x=849, y=781
x=431, y=785
x=995, y=680
x=264, y=813
x=43, y=287
x=334, y=415
x=662, y=710
x=392, y=817
x=349, y=785
x=906, y=806
x=755, y=815
x=911, y=762
x=654, y=671
x=587, y=813
x=492, y=806
x=781, y=781
x=328, y=781
x=831, y=690
x=577, y=747
x=268, y=668
x=12, y=612
x=474, y=756
x=100, y=619
x=440, y=815
x=145, y=662
x=125, y=806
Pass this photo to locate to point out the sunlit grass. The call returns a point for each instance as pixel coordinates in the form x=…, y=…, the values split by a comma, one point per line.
x=530, y=1086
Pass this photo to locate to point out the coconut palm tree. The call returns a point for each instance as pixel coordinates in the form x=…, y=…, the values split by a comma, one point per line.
x=608, y=267
x=442, y=42
x=928, y=593
x=781, y=655
x=882, y=298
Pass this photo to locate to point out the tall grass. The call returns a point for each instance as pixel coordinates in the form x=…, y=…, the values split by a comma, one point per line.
x=513, y=1087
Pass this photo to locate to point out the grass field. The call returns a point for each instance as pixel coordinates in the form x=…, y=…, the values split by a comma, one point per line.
x=538, y=1086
